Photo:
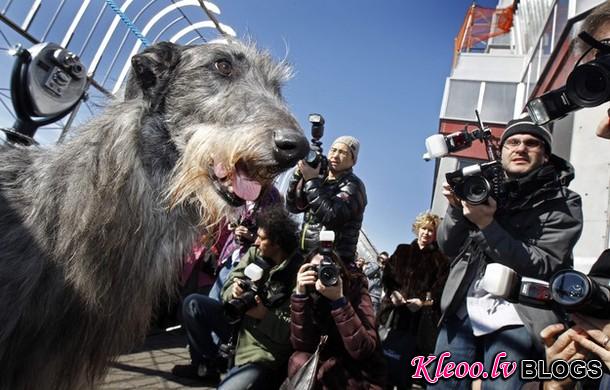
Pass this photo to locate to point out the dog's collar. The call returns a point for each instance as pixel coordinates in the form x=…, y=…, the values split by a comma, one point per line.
x=230, y=198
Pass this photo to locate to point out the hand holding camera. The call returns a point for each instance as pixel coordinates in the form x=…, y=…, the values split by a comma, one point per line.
x=307, y=171
x=307, y=276
x=245, y=293
x=332, y=292
x=480, y=214
x=243, y=235
x=244, y=231
x=450, y=195
x=315, y=163
x=594, y=337
x=324, y=277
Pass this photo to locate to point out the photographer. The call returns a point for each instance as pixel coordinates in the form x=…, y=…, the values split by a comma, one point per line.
x=588, y=338
x=335, y=202
x=263, y=344
x=351, y=357
x=238, y=236
x=533, y=233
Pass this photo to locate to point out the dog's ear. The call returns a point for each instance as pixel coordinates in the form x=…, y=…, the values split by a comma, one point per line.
x=151, y=71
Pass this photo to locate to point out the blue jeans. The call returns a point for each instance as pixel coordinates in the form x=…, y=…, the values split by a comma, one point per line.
x=203, y=315
x=456, y=337
x=251, y=376
x=221, y=279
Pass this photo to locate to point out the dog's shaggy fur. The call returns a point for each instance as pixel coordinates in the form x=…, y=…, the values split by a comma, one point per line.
x=91, y=232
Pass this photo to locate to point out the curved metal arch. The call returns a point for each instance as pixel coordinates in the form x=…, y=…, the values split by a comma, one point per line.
x=125, y=35
x=203, y=24
x=193, y=40
x=107, y=36
x=183, y=3
x=167, y=27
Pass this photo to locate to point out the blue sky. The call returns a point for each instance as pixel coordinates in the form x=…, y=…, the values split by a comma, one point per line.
x=375, y=70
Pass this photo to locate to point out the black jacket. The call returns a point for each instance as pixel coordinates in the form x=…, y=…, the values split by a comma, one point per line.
x=534, y=234
x=336, y=205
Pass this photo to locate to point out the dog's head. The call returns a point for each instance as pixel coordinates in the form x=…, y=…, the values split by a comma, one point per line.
x=224, y=112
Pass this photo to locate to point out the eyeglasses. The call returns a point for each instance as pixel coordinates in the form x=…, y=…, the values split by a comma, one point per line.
x=530, y=143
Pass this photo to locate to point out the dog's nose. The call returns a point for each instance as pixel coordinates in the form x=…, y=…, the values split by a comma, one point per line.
x=290, y=146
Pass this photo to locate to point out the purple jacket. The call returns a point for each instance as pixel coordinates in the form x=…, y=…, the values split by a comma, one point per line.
x=351, y=358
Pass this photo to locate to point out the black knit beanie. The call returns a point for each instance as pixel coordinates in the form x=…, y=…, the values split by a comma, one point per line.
x=527, y=126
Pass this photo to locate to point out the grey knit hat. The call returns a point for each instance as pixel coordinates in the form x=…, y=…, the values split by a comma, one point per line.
x=352, y=143
x=527, y=126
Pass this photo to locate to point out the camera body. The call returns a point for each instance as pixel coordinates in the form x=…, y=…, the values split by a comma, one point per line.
x=316, y=156
x=256, y=274
x=248, y=224
x=328, y=271
x=588, y=85
x=476, y=183
x=568, y=291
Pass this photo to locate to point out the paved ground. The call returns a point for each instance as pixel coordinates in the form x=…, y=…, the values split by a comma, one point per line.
x=149, y=367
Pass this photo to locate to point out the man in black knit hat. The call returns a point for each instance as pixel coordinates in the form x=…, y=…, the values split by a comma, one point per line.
x=533, y=232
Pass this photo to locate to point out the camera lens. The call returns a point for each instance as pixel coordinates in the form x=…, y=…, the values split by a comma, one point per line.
x=328, y=274
x=476, y=189
x=570, y=288
x=589, y=85
x=312, y=158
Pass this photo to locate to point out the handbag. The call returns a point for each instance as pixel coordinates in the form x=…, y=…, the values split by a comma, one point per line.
x=305, y=377
x=386, y=327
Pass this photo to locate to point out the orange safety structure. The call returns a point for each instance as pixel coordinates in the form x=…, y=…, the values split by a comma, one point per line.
x=482, y=23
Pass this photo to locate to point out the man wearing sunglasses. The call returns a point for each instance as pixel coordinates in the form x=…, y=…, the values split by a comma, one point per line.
x=533, y=232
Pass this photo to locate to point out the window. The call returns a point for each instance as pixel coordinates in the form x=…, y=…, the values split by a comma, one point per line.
x=498, y=102
x=463, y=99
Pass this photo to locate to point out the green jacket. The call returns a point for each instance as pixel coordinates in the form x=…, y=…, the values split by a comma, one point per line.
x=266, y=341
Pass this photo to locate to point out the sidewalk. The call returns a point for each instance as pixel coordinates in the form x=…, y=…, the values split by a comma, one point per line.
x=149, y=367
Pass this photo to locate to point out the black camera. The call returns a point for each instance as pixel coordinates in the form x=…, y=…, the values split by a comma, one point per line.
x=256, y=274
x=568, y=291
x=316, y=157
x=588, y=85
x=476, y=183
x=248, y=224
x=328, y=272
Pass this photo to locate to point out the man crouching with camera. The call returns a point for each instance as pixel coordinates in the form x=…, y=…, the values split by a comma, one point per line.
x=256, y=302
x=532, y=231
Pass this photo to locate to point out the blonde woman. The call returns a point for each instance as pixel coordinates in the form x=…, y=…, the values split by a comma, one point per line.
x=413, y=281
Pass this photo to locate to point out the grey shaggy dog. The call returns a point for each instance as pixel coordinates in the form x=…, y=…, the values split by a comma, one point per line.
x=92, y=231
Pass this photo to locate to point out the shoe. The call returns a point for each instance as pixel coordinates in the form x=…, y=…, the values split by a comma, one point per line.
x=198, y=372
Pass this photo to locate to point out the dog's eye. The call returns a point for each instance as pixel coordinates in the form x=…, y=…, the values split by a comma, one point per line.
x=224, y=67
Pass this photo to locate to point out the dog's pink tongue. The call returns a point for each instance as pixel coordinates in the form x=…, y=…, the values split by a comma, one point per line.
x=244, y=187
